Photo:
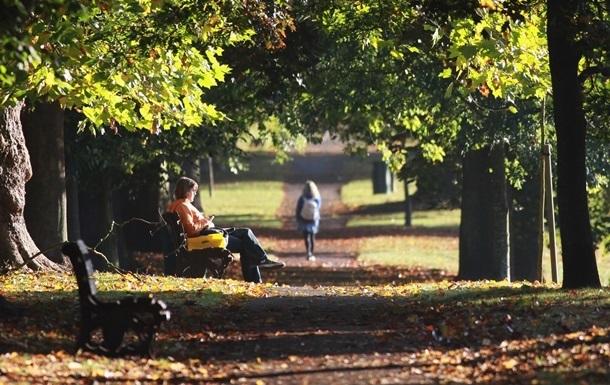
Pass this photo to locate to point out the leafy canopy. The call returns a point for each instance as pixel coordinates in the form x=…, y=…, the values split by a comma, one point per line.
x=141, y=64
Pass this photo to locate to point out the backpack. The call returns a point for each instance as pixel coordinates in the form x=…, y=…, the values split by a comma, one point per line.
x=310, y=211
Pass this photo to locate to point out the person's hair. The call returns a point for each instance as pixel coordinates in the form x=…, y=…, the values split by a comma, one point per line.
x=311, y=190
x=183, y=186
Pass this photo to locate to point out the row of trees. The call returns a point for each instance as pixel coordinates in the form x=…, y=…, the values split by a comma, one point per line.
x=129, y=65
x=412, y=77
x=495, y=76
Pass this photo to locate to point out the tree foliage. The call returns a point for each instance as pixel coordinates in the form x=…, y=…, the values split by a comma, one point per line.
x=140, y=64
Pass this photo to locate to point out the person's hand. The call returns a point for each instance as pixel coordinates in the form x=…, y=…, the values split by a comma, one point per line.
x=207, y=222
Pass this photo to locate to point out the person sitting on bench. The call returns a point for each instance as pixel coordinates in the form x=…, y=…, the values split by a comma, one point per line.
x=241, y=240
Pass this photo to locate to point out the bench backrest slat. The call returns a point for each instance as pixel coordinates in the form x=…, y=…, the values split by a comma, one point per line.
x=83, y=269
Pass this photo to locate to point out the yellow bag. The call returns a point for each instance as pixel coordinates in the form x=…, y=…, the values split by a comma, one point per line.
x=206, y=242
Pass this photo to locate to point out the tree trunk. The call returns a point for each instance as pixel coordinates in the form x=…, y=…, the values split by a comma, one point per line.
x=579, y=265
x=141, y=200
x=483, y=252
x=72, y=178
x=408, y=206
x=45, y=208
x=16, y=245
x=474, y=250
x=525, y=229
x=500, y=256
x=73, y=212
x=96, y=213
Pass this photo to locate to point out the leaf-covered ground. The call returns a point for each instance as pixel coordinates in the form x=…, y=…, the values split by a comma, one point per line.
x=226, y=331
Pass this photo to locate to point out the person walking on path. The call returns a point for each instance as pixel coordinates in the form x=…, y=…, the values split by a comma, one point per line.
x=241, y=240
x=308, y=216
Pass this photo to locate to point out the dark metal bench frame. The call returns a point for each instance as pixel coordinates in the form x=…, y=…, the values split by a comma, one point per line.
x=141, y=315
x=211, y=262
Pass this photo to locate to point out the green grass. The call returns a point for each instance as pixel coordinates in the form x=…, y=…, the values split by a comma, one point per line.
x=438, y=252
x=260, y=166
x=251, y=203
x=433, y=219
x=432, y=250
x=360, y=192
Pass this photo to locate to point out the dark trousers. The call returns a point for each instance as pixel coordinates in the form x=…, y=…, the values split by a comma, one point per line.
x=310, y=240
x=251, y=253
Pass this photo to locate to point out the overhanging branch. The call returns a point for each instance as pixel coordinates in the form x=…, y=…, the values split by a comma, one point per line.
x=593, y=70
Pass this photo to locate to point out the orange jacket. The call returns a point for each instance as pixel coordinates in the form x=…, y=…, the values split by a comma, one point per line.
x=192, y=219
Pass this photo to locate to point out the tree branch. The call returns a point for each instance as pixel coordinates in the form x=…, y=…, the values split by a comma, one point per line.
x=113, y=227
x=591, y=71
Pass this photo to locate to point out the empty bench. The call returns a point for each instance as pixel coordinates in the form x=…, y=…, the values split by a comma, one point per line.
x=125, y=326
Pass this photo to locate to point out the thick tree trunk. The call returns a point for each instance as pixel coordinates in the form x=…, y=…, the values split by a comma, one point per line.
x=474, y=249
x=141, y=200
x=16, y=245
x=72, y=179
x=525, y=229
x=579, y=265
x=95, y=207
x=72, y=199
x=484, y=217
x=45, y=208
x=500, y=256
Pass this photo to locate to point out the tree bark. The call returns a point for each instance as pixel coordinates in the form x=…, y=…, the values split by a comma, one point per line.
x=408, y=206
x=474, y=229
x=525, y=229
x=500, y=256
x=72, y=177
x=96, y=212
x=16, y=245
x=579, y=265
x=141, y=200
x=45, y=207
x=484, y=251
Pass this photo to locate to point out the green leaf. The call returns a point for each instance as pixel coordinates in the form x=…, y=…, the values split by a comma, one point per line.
x=397, y=54
x=449, y=90
x=446, y=73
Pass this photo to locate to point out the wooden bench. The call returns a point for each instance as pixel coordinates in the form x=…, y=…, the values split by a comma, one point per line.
x=126, y=326
x=209, y=262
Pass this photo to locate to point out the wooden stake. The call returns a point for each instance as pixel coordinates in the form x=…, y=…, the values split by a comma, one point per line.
x=211, y=176
x=550, y=212
x=541, y=197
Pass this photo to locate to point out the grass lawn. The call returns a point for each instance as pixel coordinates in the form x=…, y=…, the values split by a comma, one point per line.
x=359, y=192
x=438, y=252
x=431, y=219
x=248, y=203
x=414, y=248
x=435, y=251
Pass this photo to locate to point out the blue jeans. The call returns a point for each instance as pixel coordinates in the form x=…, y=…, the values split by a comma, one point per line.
x=251, y=253
x=310, y=242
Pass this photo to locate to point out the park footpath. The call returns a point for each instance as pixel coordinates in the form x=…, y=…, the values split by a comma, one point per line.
x=313, y=327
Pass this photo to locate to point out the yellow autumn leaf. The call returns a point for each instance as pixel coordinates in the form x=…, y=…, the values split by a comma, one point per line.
x=487, y=4
x=510, y=364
